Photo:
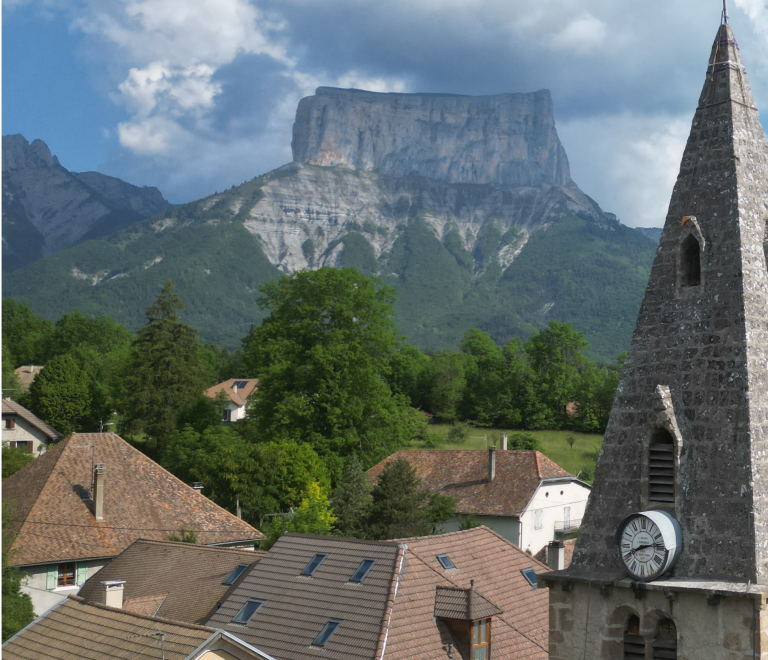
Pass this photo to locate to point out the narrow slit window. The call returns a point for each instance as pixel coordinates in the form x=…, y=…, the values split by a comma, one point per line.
x=690, y=262
x=248, y=610
x=661, y=467
x=634, y=645
x=325, y=633
x=665, y=642
x=235, y=574
x=311, y=567
x=445, y=562
x=362, y=571
x=481, y=634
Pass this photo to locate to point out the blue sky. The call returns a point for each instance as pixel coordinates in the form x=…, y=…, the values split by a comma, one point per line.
x=194, y=96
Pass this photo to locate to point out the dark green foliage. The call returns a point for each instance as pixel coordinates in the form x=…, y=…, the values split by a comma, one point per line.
x=405, y=367
x=441, y=385
x=165, y=373
x=203, y=412
x=60, y=395
x=525, y=441
x=400, y=507
x=14, y=460
x=17, y=606
x=314, y=516
x=459, y=432
x=321, y=356
x=308, y=250
x=184, y=536
x=73, y=330
x=358, y=253
x=351, y=499
x=11, y=383
x=25, y=335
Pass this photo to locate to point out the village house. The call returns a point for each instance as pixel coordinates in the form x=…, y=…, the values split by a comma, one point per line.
x=76, y=629
x=91, y=496
x=464, y=595
x=26, y=374
x=237, y=391
x=522, y=495
x=24, y=430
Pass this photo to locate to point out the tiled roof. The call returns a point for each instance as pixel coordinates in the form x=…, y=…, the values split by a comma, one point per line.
x=241, y=396
x=184, y=581
x=296, y=607
x=10, y=407
x=457, y=603
x=463, y=474
x=75, y=629
x=520, y=632
x=141, y=500
x=27, y=374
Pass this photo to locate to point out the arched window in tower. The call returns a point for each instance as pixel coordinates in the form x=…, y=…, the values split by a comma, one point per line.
x=665, y=642
x=634, y=645
x=661, y=464
x=690, y=262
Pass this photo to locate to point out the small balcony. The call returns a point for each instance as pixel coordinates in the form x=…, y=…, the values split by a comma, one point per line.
x=565, y=527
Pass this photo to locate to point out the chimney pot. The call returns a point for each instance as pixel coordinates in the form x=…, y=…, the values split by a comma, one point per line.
x=491, y=463
x=503, y=442
x=98, y=490
x=198, y=486
x=234, y=389
x=112, y=595
x=556, y=555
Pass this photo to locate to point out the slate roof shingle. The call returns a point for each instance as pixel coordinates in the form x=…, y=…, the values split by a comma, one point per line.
x=11, y=408
x=182, y=581
x=463, y=474
x=141, y=500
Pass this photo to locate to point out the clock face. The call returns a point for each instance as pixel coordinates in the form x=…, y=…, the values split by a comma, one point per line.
x=642, y=548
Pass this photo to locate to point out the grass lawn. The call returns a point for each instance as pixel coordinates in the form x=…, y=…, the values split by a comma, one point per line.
x=582, y=456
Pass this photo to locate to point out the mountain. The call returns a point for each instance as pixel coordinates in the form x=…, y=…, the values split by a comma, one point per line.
x=464, y=204
x=654, y=233
x=47, y=208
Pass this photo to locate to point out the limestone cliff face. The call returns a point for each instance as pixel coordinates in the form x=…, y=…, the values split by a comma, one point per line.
x=47, y=208
x=506, y=139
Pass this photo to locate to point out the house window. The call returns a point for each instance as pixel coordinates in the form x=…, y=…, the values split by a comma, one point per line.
x=634, y=645
x=661, y=467
x=10, y=423
x=481, y=634
x=538, y=519
x=247, y=611
x=362, y=571
x=530, y=575
x=665, y=642
x=445, y=562
x=235, y=574
x=325, y=633
x=226, y=415
x=690, y=262
x=311, y=567
x=67, y=575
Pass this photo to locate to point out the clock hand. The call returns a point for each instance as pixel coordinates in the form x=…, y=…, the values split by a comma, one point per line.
x=642, y=547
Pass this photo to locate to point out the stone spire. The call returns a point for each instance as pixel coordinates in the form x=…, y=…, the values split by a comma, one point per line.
x=696, y=375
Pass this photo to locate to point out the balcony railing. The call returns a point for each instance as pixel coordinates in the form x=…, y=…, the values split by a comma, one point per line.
x=567, y=526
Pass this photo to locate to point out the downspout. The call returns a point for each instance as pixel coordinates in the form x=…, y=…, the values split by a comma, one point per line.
x=401, y=550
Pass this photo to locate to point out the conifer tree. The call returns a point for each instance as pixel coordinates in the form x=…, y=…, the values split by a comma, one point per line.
x=60, y=395
x=165, y=373
x=351, y=499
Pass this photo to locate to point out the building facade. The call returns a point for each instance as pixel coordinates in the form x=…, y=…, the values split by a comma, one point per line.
x=672, y=557
x=23, y=430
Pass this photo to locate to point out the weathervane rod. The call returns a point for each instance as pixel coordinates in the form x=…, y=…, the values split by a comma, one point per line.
x=725, y=11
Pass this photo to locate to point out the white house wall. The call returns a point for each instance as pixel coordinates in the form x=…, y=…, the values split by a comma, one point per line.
x=25, y=432
x=551, y=499
x=44, y=599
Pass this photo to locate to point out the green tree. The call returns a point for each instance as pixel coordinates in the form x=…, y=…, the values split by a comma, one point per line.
x=184, y=536
x=321, y=357
x=25, y=334
x=14, y=460
x=314, y=516
x=73, y=330
x=400, y=507
x=405, y=367
x=525, y=441
x=442, y=383
x=11, y=383
x=60, y=395
x=164, y=373
x=351, y=499
x=17, y=606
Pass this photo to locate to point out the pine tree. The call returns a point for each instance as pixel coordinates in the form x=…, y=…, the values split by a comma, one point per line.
x=60, y=395
x=351, y=499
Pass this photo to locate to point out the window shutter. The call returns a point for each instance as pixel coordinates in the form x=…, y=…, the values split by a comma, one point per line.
x=82, y=573
x=52, y=577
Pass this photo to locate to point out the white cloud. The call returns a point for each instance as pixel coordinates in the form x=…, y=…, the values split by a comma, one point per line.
x=582, y=35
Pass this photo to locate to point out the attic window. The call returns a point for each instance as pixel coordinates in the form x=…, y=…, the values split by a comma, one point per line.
x=312, y=566
x=530, y=575
x=235, y=574
x=362, y=571
x=325, y=633
x=248, y=610
x=690, y=262
x=445, y=562
x=240, y=384
x=481, y=634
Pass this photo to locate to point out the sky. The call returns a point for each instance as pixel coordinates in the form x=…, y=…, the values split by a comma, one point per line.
x=194, y=96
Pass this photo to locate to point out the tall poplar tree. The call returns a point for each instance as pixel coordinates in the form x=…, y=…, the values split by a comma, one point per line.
x=165, y=373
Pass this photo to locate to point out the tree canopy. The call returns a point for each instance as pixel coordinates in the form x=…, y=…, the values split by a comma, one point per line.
x=60, y=395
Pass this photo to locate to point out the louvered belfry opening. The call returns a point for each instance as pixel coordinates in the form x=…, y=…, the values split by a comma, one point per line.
x=690, y=262
x=661, y=475
x=634, y=645
x=665, y=642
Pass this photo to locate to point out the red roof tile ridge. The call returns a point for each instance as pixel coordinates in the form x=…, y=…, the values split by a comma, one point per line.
x=158, y=619
x=467, y=532
x=196, y=546
x=386, y=620
x=508, y=542
x=346, y=539
x=543, y=459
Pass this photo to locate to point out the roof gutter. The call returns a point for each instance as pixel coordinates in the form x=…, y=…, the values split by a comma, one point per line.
x=402, y=549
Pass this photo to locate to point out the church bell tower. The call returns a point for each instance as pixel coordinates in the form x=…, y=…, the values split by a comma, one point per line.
x=672, y=556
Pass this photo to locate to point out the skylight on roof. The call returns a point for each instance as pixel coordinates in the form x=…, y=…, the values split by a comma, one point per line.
x=362, y=571
x=248, y=610
x=235, y=574
x=240, y=383
x=445, y=562
x=325, y=633
x=530, y=575
x=311, y=567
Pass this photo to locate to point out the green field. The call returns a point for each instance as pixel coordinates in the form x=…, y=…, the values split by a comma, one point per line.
x=583, y=455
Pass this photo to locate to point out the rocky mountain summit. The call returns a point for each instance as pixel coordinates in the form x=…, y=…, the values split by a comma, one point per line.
x=47, y=208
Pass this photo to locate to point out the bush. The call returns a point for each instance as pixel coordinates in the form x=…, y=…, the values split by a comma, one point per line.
x=523, y=441
x=459, y=432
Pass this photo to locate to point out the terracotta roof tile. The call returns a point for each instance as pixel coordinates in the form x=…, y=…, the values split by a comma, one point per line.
x=463, y=474
x=10, y=407
x=141, y=500
x=188, y=579
x=27, y=374
x=241, y=396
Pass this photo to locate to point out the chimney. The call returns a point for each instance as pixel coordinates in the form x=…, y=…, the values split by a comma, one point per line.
x=198, y=486
x=98, y=491
x=556, y=555
x=491, y=463
x=234, y=388
x=112, y=594
x=503, y=442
